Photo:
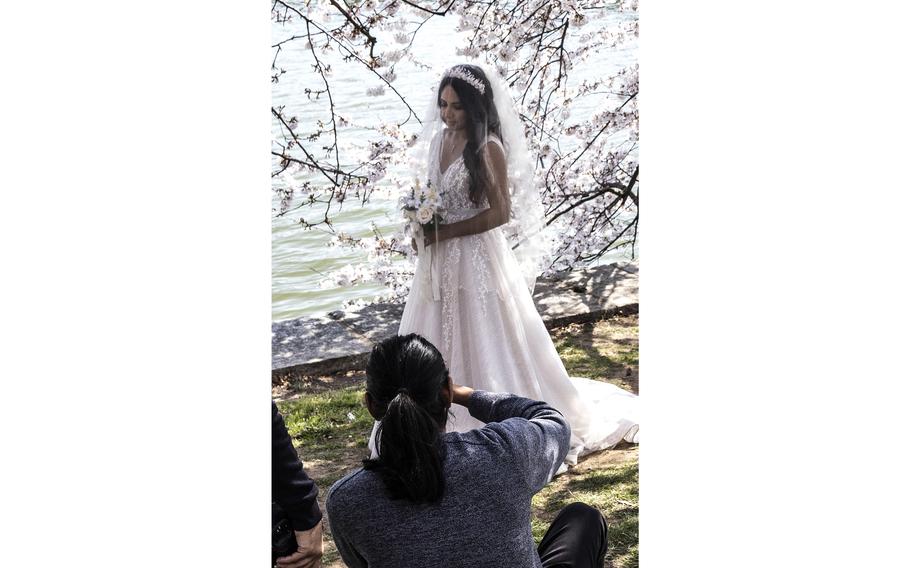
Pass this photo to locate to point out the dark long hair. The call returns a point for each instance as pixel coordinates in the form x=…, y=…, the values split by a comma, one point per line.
x=405, y=377
x=481, y=113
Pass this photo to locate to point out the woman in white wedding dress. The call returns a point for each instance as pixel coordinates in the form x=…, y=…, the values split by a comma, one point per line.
x=470, y=296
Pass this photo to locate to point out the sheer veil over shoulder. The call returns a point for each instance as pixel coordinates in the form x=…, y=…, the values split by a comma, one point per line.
x=471, y=295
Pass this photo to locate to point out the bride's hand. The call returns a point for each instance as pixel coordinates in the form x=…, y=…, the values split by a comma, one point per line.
x=435, y=235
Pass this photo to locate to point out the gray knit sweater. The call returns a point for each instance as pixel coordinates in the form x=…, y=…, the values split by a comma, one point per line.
x=484, y=518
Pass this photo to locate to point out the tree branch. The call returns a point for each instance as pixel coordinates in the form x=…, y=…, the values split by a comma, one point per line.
x=427, y=10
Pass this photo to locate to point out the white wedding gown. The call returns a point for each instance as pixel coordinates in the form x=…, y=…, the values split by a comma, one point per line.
x=487, y=328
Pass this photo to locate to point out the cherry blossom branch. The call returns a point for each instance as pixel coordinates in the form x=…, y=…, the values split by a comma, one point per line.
x=427, y=10
x=358, y=26
x=372, y=69
x=328, y=91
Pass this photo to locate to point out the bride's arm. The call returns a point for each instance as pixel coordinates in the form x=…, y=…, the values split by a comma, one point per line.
x=498, y=196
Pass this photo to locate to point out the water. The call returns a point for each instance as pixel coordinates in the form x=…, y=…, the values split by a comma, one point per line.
x=302, y=259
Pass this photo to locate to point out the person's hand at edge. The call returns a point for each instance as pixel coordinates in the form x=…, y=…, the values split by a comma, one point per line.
x=309, y=550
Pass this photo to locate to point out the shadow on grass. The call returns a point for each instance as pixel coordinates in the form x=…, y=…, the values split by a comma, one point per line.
x=613, y=491
x=605, y=350
x=594, y=481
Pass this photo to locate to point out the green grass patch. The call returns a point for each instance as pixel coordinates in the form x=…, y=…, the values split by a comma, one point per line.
x=328, y=422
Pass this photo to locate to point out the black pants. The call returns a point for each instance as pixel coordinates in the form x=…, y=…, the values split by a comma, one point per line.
x=576, y=539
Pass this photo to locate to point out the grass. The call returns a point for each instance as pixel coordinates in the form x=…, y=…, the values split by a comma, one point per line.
x=605, y=350
x=331, y=428
x=613, y=489
x=329, y=421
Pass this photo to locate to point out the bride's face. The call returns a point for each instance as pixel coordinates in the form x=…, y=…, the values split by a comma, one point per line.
x=450, y=109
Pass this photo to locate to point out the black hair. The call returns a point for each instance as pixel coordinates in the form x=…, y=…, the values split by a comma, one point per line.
x=480, y=111
x=405, y=378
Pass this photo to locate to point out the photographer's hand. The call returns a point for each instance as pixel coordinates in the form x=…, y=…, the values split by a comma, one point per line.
x=461, y=394
x=309, y=550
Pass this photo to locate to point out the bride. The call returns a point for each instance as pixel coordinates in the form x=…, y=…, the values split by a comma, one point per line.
x=471, y=295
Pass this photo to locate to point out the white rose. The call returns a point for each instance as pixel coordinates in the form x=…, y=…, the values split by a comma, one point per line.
x=424, y=215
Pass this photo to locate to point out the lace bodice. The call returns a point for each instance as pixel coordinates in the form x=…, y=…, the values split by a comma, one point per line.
x=454, y=184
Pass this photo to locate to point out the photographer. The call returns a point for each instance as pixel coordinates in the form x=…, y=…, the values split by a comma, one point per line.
x=456, y=499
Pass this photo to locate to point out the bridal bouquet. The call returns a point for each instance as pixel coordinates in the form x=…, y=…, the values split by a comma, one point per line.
x=422, y=206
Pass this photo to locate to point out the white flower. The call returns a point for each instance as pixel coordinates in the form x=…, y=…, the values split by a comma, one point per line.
x=424, y=215
x=394, y=56
x=376, y=91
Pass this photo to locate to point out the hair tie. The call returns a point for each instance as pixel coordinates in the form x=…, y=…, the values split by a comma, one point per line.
x=404, y=390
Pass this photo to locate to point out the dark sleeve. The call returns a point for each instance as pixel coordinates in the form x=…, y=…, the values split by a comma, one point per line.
x=534, y=433
x=291, y=488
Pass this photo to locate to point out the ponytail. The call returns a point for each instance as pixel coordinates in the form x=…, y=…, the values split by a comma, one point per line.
x=409, y=373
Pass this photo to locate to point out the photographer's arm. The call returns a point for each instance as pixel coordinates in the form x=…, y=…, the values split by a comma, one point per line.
x=536, y=434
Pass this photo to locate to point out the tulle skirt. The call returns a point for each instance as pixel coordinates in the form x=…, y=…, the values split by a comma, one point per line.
x=470, y=300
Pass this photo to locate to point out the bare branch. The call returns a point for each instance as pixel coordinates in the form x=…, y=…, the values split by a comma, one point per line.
x=428, y=11
x=358, y=26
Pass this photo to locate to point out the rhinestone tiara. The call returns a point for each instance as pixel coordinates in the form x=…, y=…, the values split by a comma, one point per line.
x=465, y=75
